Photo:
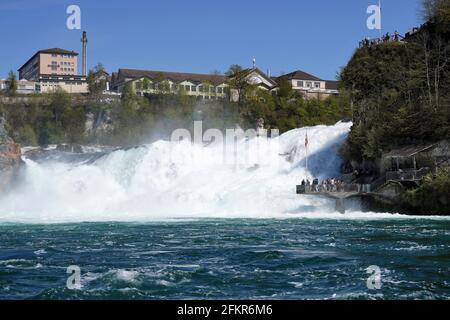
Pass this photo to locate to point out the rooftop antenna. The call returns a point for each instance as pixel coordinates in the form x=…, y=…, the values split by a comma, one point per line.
x=254, y=63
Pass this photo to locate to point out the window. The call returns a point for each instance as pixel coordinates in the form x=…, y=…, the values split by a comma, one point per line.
x=300, y=84
x=317, y=85
x=220, y=90
x=194, y=89
x=309, y=84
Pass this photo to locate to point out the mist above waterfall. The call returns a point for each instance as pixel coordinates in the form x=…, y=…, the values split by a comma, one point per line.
x=166, y=180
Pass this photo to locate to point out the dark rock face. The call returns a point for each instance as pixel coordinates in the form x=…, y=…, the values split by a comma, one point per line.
x=10, y=158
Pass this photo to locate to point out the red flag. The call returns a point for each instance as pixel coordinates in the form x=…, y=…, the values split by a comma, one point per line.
x=306, y=140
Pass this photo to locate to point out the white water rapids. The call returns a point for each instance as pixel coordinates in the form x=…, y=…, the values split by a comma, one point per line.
x=167, y=180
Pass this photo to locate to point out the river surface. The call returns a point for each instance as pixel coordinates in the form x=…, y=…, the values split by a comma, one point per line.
x=228, y=259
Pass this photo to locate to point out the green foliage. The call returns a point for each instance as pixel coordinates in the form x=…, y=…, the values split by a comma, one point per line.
x=60, y=101
x=49, y=119
x=432, y=196
x=26, y=136
x=399, y=92
x=234, y=70
x=437, y=11
x=50, y=133
x=73, y=121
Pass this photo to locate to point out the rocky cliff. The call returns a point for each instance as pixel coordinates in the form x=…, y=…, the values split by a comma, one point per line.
x=10, y=158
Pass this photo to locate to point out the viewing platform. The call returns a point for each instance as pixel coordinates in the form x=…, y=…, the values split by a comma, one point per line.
x=336, y=192
x=386, y=188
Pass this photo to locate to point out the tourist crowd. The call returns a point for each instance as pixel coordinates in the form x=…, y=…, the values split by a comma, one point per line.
x=328, y=185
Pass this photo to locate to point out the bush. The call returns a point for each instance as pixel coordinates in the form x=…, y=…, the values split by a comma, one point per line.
x=26, y=136
x=433, y=195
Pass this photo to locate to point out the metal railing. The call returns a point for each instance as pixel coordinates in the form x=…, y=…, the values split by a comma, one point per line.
x=337, y=188
x=407, y=175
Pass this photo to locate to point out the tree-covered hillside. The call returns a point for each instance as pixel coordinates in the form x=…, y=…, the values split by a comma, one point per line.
x=400, y=90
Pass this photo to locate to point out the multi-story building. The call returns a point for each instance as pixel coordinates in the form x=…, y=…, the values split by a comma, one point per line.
x=310, y=86
x=53, y=68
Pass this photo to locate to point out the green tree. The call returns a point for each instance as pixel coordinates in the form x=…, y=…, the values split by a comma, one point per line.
x=73, y=122
x=27, y=136
x=60, y=100
x=12, y=83
x=234, y=70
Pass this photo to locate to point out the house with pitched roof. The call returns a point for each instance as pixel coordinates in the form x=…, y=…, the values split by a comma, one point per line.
x=211, y=87
x=202, y=86
x=309, y=85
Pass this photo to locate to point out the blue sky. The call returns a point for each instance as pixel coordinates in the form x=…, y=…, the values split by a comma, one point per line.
x=317, y=36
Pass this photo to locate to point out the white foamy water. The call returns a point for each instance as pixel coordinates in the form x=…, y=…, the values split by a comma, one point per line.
x=167, y=180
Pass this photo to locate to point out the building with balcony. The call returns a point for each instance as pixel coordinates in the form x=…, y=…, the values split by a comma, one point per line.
x=202, y=86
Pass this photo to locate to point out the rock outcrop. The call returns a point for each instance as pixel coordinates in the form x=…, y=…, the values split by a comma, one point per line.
x=10, y=158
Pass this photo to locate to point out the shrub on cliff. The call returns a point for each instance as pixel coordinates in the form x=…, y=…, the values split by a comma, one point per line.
x=26, y=136
x=433, y=195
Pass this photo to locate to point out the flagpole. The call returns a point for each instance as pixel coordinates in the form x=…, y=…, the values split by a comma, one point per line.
x=306, y=160
x=381, y=19
x=306, y=146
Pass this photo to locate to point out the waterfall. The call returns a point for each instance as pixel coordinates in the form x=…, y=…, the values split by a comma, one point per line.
x=171, y=180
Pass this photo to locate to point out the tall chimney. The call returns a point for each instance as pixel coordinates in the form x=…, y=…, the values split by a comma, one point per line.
x=84, y=40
